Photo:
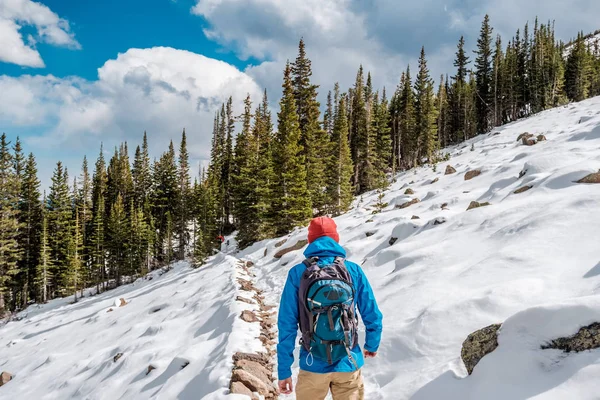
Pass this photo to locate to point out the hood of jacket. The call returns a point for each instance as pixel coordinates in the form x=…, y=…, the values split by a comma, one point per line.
x=324, y=247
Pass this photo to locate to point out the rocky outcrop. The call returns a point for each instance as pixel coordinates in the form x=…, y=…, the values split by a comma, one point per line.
x=479, y=344
x=240, y=388
x=297, y=246
x=252, y=373
x=244, y=300
x=591, y=178
x=408, y=203
x=588, y=338
x=392, y=241
x=415, y=217
x=450, y=170
x=369, y=234
x=248, y=316
x=409, y=192
x=439, y=221
x=5, y=377
x=150, y=369
x=117, y=356
x=435, y=180
x=475, y=204
x=122, y=301
x=523, y=136
x=541, y=138
x=522, y=189
x=253, y=383
x=472, y=174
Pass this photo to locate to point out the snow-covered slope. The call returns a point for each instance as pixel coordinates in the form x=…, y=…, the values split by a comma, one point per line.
x=592, y=41
x=67, y=351
x=439, y=283
x=530, y=260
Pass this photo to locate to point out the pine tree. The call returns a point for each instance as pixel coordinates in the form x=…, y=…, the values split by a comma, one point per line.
x=10, y=251
x=183, y=195
x=483, y=65
x=30, y=217
x=340, y=169
x=264, y=170
x=359, y=136
x=117, y=239
x=60, y=214
x=313, y=139
x=443, y=112
x=408, y=124
x=141, y=174
x=497, y=85
x=458, y=98
x=426, y=114
x=291, y=200
x=84, y=204
x=75, y=252
x=97, y=229
x=245, y=180
x=164, y=200
x=578, y=69
x=382, y=141
x=227, y=166
x=328, y=116
x=43, y=275
x=168, y=246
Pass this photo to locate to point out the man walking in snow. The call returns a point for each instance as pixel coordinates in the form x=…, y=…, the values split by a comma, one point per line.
x=321, y=296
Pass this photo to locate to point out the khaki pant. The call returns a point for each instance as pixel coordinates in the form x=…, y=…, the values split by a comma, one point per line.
x=343, y=385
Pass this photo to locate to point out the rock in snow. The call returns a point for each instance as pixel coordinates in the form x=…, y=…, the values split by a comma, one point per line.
x=408, y=204
x=5, y=377
x=449, y=170
x=591, y=178
x=479, y=344
x=522, y=189
x=297, y=246
x=248, y=316
x=472, y=174
x=476, y=204
x=588, y=338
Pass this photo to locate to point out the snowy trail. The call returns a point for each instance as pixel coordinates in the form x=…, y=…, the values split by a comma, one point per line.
x=529, y=260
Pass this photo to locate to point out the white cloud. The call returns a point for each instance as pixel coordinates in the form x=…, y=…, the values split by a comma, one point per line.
x=49, y=26
x=383, y=35
x=161, y=90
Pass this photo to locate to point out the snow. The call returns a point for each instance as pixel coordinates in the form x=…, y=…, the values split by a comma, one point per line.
x=66, y=351
x=530, y=261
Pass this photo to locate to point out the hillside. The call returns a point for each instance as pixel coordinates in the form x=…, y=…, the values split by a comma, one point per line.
x=592, y=40
x=529, y=260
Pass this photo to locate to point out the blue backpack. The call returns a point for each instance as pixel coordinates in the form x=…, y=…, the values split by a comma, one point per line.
x=328, y=320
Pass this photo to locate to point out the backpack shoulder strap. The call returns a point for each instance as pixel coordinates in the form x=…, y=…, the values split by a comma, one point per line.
x=310, y=261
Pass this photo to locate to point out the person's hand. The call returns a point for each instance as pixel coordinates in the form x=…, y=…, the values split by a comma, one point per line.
x=286, y=386
x=369, y=354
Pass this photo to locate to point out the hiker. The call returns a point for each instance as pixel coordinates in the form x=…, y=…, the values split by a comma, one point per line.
x=321, y=295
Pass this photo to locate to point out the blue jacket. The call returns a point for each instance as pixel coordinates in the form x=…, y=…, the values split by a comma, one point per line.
x=326, y=249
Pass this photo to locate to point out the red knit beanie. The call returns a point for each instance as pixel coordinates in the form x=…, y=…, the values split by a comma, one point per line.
x=322, y=226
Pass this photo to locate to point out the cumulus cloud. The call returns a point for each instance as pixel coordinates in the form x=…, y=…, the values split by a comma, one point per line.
x=50, y=28
x=161, y=90
x=383, y=35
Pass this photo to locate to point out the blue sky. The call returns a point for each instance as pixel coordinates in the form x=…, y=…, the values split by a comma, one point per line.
x=77, y=73
x=108, y=27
